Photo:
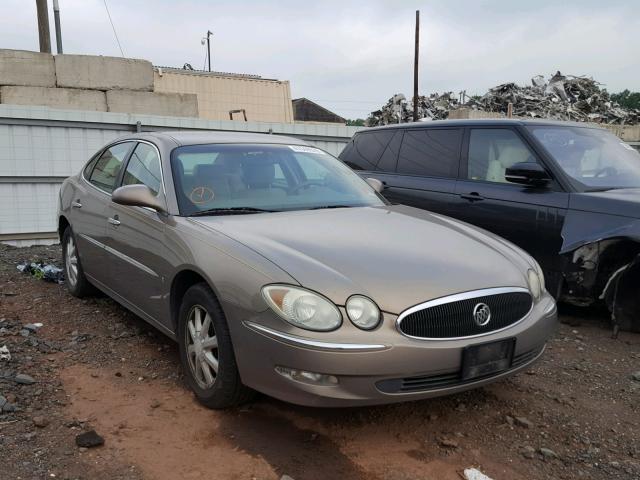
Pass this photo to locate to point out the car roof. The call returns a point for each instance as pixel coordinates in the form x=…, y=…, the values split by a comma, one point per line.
x=481, y=122
x=190, y=137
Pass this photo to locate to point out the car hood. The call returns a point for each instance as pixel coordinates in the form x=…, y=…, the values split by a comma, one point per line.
x=397, y=255
x=622, y=202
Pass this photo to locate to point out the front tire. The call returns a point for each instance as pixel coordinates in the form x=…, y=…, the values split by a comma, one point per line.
x=76, y=281
x=206, y=351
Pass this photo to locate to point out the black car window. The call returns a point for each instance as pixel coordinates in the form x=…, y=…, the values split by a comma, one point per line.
x=90, y=164
x=432, y=152
x=366, y=148
x=492, y=151
x=389, y=158
x=144, y=168
x=108, y=166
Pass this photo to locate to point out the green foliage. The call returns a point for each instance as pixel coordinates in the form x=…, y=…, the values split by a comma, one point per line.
x=627, y=99
x=358, y=122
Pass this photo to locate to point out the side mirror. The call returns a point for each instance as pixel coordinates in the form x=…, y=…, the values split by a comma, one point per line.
x=137, y=196
x=376, y=184
x=527, y=173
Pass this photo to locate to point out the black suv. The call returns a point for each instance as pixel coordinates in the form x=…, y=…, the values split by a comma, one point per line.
x=568, y=193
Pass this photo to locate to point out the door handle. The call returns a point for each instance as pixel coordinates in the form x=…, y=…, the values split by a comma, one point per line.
x=76, y=204
x=472, y=197
x=114, y=221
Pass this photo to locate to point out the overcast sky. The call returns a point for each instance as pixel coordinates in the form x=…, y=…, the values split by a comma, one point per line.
x=351, y=56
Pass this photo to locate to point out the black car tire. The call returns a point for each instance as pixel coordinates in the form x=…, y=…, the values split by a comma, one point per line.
x=80, y=287
x=227, y=389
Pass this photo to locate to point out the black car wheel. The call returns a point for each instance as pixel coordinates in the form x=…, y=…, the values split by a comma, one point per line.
x=206, y=351
x=76, y=281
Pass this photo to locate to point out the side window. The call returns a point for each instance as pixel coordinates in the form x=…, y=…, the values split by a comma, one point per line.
x=492, y=151
x=366, y=148
x=87, y=170
x=144, y=168
x=431, y=152
x=389, y=158
x=108, y=166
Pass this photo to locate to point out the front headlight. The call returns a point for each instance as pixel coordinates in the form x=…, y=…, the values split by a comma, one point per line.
x=363, y=312
x=534, y=284
x=302, y=308
x=540, y=273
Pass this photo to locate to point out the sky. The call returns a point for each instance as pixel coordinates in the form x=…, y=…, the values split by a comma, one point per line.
x=351, y=56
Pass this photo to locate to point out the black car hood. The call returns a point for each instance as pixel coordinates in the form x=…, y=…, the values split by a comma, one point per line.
x=623, y=202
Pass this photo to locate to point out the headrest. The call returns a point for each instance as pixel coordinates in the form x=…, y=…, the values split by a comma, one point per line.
x=258, y=172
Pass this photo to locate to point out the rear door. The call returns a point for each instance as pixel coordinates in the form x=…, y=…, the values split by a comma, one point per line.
x=426, y=167
x=135, y=238
x=530, y=217
x=89, y=208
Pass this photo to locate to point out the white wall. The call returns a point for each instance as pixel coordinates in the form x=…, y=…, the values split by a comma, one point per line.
x=40, y=146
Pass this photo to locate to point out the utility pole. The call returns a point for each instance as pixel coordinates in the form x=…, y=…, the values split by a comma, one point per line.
x=209, y=33
x=43, y=26
x=415, y=68
x=56, y=18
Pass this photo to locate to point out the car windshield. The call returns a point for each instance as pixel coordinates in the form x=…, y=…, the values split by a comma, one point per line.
x=246, y=178
x=596, y=159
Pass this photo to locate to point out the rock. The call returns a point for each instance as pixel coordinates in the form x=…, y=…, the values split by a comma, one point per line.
x=24, y=379
x=32, y=327
x=286, y=477
x=155, y=403
x=89, y=439
x=3, y=402
x=509, y=420
x=528, y=452
x=548, y=454
x=523, y=422
x=635, y=376
x=9, y=408
x=448, y=443
x=40, y=421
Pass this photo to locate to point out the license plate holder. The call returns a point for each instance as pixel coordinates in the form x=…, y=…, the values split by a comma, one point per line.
x=487, y=358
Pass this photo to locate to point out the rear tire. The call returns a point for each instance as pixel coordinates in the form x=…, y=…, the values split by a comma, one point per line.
x=75, y=279
x=206, y=351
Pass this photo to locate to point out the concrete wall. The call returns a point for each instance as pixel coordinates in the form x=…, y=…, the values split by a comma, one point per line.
x=153, y=103
x=103, y=73
x=20, y=67
x=264, y=100
x=74, y=98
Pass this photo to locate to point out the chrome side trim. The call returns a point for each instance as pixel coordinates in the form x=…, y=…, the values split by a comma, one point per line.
x=463, y=296
x=120, y=255
x=314, y=344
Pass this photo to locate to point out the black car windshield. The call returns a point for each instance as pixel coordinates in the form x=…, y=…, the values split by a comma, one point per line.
x=253, y=178
x=594, y=158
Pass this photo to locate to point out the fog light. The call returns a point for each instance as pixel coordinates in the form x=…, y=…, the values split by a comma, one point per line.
x=307, y=377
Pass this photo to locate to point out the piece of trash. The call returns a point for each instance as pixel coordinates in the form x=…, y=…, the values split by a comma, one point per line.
x=43, y=271
x=89, y=439
x=33, y=327
x=4, y=353
x=475, y=474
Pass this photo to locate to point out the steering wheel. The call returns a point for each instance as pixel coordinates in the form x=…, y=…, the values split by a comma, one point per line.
x=301, y=185
x=606, y=171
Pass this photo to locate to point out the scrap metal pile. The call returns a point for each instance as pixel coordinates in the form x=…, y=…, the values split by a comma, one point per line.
x=563, y=97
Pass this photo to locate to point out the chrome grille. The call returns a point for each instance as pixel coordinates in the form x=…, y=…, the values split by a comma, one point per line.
x=453, y=317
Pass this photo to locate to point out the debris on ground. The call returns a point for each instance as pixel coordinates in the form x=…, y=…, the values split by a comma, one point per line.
x=89, y=439
x=475, y=474
x=24, y=379
x=562, y=97
x=44, y=271
x=4, y=353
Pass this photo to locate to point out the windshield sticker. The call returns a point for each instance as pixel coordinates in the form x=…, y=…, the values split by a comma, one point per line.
x=627, y=146
x=304, y=149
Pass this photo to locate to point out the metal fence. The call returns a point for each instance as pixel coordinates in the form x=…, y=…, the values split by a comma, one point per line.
x=40, y=147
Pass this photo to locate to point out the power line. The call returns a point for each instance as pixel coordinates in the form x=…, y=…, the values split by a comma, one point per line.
x=113, y=27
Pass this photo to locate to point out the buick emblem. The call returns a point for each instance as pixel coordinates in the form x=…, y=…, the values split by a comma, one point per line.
x=481, y=314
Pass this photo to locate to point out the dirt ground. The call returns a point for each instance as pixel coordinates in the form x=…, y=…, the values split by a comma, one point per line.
x=575, y=414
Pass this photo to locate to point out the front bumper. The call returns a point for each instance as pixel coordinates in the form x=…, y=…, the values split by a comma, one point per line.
x=369, y=365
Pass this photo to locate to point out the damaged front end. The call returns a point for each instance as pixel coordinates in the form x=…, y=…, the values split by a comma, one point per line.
x=602, y=263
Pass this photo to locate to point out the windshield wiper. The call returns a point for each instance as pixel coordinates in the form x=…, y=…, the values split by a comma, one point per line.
x=230, y=211
x=322, y=207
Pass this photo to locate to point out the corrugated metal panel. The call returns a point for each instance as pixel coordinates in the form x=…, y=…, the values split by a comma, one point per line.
x=50, y=143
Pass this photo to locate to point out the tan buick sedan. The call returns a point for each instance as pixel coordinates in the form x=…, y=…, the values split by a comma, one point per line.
x=278, y=269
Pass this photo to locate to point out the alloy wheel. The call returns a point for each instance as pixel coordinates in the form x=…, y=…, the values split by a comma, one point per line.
x=72, y=262
x=202, y=346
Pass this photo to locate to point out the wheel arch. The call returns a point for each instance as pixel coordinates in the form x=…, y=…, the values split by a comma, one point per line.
x=63, y=223
x=181, y=282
